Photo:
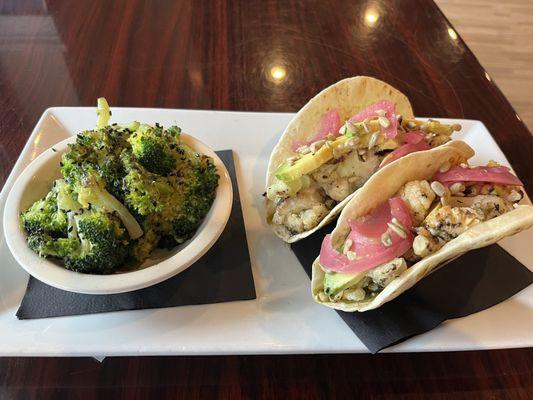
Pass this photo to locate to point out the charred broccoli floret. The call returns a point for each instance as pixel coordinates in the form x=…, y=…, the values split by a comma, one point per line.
x=99, y=152
x=48, y=215
x=172, y=206
x=91, y=192
x=144, y=192
x=97, y=243
x=153, y=148
x=201, y=181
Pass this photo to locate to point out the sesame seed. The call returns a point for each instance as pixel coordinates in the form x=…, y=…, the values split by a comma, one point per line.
x=397, y=229
x=303, y=150
x=317, y=145
x=386, y=239
x=411, y=125
x=365, y=126
x=351, y=127
x=397, y=223
x=384, y=122
x=457, y=188
x=373, y=140
x=439, y=189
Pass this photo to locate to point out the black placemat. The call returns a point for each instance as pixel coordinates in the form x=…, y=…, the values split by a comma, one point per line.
x=473, y=282
x=223, y=274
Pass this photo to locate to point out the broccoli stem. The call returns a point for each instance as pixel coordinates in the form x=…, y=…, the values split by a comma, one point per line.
x=103, y=113
x=92, y=193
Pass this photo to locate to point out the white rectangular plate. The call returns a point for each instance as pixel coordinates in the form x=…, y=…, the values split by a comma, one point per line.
x=283, y=318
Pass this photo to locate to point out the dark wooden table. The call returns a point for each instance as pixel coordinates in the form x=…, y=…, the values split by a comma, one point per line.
x=221, y=55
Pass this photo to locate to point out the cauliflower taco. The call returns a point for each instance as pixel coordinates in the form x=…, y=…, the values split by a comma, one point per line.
x=411, y=217
x=333, y=145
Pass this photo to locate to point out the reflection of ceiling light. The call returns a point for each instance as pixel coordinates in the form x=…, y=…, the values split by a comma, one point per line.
x=371, y=17
x=488, y=76
x=278, y=73
x=452, y=33
x=518, y=117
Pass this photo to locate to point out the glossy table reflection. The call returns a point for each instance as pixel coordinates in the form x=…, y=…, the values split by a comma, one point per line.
x=255, y=56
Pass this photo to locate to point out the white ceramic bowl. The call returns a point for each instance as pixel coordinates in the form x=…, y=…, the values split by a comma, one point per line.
x=36, y=180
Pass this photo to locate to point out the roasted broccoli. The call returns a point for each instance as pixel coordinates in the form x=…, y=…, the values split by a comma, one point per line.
x=97, y=243
x=126, y=190
x=48, y=215
x=43, y=217
x=91, y=191
x=152, y=147
x=201, y=181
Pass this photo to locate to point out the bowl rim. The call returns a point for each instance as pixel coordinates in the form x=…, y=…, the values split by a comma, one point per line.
x=57, y=276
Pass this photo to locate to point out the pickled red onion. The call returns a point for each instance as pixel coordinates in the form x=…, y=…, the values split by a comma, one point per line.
x=413, y=137
x=500, y=175
x=329, y=124
x=390, y=113
x=403, y=150
x=370, y=252
x=373, y=224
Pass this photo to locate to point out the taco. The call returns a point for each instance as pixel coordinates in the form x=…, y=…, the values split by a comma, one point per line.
x=333, y=145
x=410, y=218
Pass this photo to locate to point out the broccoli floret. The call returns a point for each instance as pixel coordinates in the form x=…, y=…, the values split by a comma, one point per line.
x=145, y=245
x=99, y=244
x=45, y=216
x=201, y=181
x=152, y=147
x=144, y=192
x=175, y=205
x=99, y=152
x=91, y=192
x=48, y=246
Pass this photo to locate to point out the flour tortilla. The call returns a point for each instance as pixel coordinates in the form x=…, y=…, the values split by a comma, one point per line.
x=384, y=185
x=348, y=97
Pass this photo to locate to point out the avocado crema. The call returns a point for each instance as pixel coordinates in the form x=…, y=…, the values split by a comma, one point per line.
x=319, y=175
x=439, y=214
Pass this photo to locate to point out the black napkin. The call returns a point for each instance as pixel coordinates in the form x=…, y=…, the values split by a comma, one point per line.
x=223, y=274
x=473, y=282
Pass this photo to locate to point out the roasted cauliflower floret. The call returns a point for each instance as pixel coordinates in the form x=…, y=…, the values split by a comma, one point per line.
x=449, y=222
x=491, y=206
x=424, y=244
x=303, y=211
x=340, y=178
x=386, y=273
x=419, y=196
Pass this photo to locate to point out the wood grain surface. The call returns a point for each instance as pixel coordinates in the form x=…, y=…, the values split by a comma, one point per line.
x=257, y=56
x=500, y=33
